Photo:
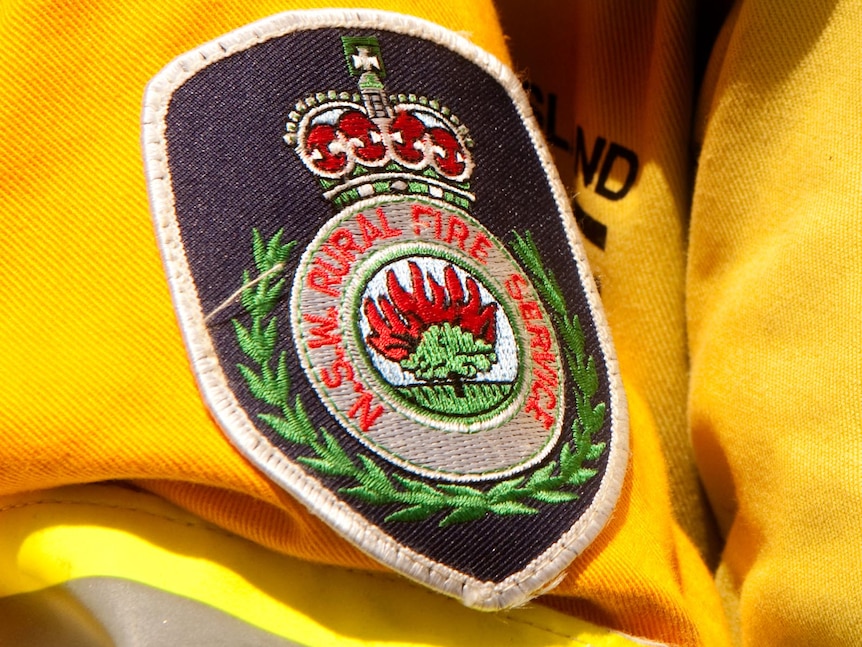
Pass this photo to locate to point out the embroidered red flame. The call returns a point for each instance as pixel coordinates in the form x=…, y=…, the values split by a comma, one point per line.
x=398, y=322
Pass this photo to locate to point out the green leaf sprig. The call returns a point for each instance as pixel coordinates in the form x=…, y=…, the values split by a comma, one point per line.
x=267, y=379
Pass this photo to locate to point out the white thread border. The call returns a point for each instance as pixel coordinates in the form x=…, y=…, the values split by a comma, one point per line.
x=544, y=571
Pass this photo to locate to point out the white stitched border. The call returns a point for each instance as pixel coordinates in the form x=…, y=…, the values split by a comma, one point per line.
x=517, y=588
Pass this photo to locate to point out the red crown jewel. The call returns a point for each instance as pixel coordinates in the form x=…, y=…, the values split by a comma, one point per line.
x=364, y=144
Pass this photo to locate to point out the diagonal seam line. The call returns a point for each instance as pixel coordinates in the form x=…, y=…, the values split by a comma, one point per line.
x=214, y=529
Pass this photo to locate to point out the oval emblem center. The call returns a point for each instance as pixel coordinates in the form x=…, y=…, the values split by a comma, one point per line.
x=426, y=342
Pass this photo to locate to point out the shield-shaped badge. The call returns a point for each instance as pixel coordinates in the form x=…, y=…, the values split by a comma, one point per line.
x=384, y=299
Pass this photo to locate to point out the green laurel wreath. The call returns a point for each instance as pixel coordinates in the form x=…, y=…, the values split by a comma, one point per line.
x=268, y=380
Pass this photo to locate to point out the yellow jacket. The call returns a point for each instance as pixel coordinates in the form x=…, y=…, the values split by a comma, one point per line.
x=718, y=204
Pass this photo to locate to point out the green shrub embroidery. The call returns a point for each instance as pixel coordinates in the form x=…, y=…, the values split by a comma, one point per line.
x=266, y=376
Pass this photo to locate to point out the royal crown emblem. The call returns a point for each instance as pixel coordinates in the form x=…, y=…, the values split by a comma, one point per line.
x=370, y=143
x=411, y=345
x=408, y=313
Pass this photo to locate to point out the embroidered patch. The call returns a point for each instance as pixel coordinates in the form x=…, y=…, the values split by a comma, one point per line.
x=383, y=296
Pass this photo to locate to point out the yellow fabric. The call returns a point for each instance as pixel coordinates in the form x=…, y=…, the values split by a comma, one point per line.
x=772, y=283
x=642, y=575
x=101, y=386
x=57, y=536
x=775, y=316
x=96, y=385
x=629, y=82
x=632, y=86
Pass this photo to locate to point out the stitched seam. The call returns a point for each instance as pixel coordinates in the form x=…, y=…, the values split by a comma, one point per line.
x=229, y=535
x=242, y=431
x=125, y=508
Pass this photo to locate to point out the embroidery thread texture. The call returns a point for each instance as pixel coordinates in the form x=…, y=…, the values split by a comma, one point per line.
x=268, y=380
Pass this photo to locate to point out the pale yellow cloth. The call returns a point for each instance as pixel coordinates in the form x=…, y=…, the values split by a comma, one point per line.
x=746, y=265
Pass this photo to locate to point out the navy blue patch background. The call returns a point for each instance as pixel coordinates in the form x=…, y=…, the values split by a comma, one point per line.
x=231, y=172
